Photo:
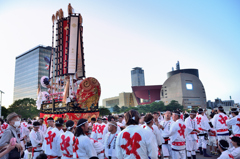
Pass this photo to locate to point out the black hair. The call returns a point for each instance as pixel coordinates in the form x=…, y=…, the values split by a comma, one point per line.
x=110, y=117
x=154, y=112
x=224, y=144
x=36, y=123
x=234, y=111
x=211, y=115
x=193, y=111
x=178, y=113
x=132, y=117
x=79, y=131
x=69, y=124
x=1, y=120
x=29, y=122
x=59, y=122
x=42, y=156
x=93, y=119
x=148, y=118
x=200, y=110
x=120, y=116
x=220, y=108
x=41, y=119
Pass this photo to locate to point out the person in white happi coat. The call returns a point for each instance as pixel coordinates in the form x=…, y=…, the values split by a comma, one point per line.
x=148, y=119
x=160, y=117
x=36, y=138
x=191, y=135
x=82, y=147
x=53, y=140
x=120, y=122
x=51, y=125
x=177, y=136
x=28, y=150
x=226, y=153
x=219, y=123
x=43, y=126
x=234, y=122
x=90, y=126
x=94, y=134
x=134, y=142
x=110, y=141
x=235, y=150
x=66, y=143
x=203, y=127
x=105, y=131
x=165, y=128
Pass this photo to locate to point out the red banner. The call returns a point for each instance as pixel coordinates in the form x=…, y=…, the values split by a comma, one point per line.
x=65, y=46
x=70, y=116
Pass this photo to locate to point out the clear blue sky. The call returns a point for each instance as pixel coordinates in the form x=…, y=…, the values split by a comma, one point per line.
x=120, y=35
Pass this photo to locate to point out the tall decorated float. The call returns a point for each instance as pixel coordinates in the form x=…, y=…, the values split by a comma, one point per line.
x=71, y=95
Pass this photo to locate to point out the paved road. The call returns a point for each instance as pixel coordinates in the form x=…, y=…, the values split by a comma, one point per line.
x=202, y=157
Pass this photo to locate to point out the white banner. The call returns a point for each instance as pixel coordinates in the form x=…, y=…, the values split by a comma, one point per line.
x=72, y=52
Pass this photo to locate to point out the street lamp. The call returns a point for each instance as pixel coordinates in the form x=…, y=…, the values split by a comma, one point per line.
x=1, y=103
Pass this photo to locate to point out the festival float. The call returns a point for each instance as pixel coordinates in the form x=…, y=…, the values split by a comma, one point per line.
x=71, y=95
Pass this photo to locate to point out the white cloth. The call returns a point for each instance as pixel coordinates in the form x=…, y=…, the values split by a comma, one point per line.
x=179, y=154
x=202, y=122
x=166, y=125
x=212, y=137
x=136, y=142
x=36, y=139
x=83, y=148
x=235, y=123
x=236, y=153
x=26, y=154
x=226, y=155
x=156, y=133
x=94, y=131
x=105, y=131
x=191, y=145
x=53, y=140
x=177, y=135
x=99, y=148
x=110, y=139
x=44, y=141
x=43, y=128
x=166, y=150
x=219, y=123
x=66, y=144
x=191, y=124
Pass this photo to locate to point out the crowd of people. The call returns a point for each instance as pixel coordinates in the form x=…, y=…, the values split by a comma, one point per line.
x=128, y=136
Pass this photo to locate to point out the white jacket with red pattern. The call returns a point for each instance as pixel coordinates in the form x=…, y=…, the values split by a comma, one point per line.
x=219, y=123
x=202, y=123
x=66, y=144
x=53, y=140
x=177, y=135
x=235, y=123
x=134, y=142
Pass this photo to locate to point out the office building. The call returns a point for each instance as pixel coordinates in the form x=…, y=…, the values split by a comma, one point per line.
x=137, y=76
x=126, y=99
x=184, y=86
x=29, y=68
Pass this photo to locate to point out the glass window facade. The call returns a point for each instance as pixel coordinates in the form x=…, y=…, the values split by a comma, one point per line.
x=29, y=68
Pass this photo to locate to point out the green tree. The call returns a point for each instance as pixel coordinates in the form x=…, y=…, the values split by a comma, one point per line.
x=174, y=105
x=157, y=106
x=116, y=109
x=104, y=111
x=25, y=107
x=123, y=109
x=4, y=112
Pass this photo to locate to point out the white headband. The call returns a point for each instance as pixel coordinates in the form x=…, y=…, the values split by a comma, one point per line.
x=133, y=118
x=81, y=124
x=70, y=127
x=222, y=146
x=36, y=126
x=113, y=124
x=149, y=121
x=192, y=113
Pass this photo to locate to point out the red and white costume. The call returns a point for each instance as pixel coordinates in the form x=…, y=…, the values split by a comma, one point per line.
x=156, y=132
x=83, y=148
x=134, y=142
x=53, y=140
x=44, y=141
x=177, y=137
x=235, y=152
x=105, y=131
x=203, y=127
x=235, y=123
x=99, y=148
x=94, y=131
x=24, y=124
x=110, y=141
x=66, y=145
x=212, y=137
x=36, y=140
x=166, y=146
x=100, y=128
x=191, y=136
x=219, y=123
x=227, y=154
x=4, y=126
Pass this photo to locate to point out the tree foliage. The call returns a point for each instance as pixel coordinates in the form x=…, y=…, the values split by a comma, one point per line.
x=4, y=112
x=25, y=107
x=116, y=109
x=104, y=111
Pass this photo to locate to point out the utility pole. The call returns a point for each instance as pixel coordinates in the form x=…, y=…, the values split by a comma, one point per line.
x=1, y=103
